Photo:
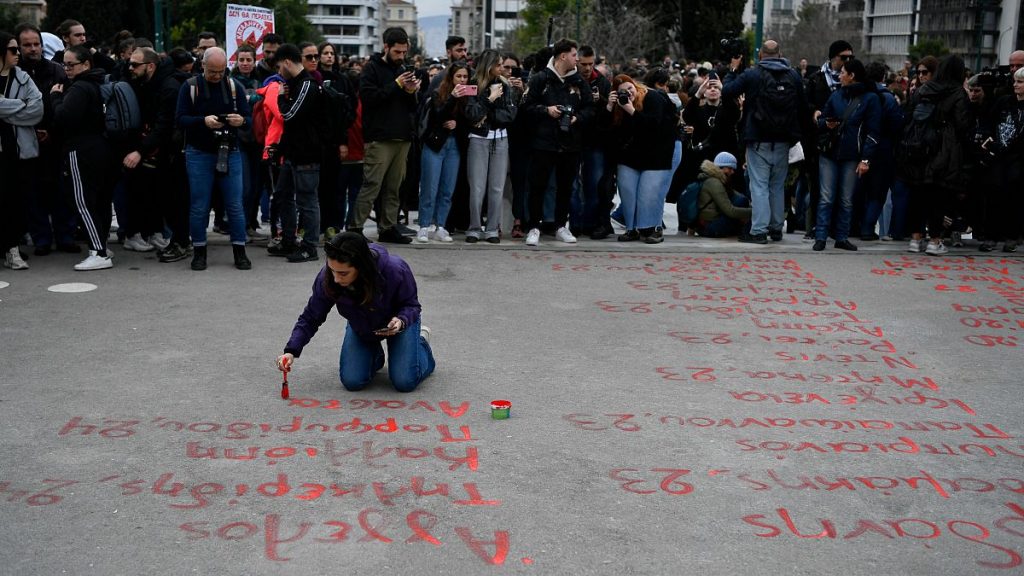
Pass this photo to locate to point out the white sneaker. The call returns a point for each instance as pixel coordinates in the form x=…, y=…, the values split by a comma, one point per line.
x=423, y=236
x=95, y=262
x=158, y=241
x=533, y=237
x=442, y=235
x=936, y=248
x=565, y=235
x=137, y=244
x=14, y=261
x=914, y=246
x=425, y=333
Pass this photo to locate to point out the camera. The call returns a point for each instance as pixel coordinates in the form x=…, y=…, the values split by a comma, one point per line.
x=995, y=77
x=732, y=46
x=623, y=96
x=223, y=141
x=565, y=120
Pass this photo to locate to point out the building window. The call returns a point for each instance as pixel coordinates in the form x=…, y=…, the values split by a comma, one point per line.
x=350, y=11
x=313, y=10
x=330, y=30
x=350, y=30
x=334, y=10
x=401, y=14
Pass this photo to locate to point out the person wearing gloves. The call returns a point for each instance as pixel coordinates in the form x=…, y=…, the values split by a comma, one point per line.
x=722, y=211
x=376, y=292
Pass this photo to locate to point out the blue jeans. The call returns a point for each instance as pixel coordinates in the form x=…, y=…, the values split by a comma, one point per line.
x=724, y=226
x=585, y=198
x=767, y=167
x=643, y=196
x=837, y=179
x=410, y=360
x=201, y=177
x=438, y=173
x=297, y=187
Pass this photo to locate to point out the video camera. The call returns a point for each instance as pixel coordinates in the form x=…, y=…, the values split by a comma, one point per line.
x=733, y=46
x=995, y=77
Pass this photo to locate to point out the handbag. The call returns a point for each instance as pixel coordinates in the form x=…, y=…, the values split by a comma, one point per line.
x=828, y=141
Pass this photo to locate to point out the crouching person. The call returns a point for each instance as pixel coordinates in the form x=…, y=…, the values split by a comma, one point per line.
x=376, y=292
x=722, y=211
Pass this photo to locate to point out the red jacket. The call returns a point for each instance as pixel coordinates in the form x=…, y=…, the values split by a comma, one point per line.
x=271, y=115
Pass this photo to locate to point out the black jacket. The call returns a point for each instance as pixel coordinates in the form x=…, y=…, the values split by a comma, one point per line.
x=484, y=115
x=78, y=117
x=303, y=120
x=647, y=139
x=546, y=88
x=158, y=100
x=389, y=112
x=46, y=74
x=947, y=167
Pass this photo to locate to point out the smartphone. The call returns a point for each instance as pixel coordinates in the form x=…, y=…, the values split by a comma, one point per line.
x=222, y=118
x=470, y=90
x=382, y=331
x=712, y=75
x=408, y=69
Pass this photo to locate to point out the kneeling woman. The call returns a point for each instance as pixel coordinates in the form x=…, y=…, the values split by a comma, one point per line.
x=376, y=292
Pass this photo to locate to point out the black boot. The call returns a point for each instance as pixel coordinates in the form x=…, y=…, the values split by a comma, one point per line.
x=199, y=258
x=241, y=260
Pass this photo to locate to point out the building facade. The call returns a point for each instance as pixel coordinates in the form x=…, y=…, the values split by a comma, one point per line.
x=484, y=23
x=354, y=26
x=402, y=14
x=31, y=11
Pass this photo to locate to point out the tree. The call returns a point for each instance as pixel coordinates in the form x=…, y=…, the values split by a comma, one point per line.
x=190, y=17
x=132, y=15
x=623, y=29
x=927, y=47
x=816, y=27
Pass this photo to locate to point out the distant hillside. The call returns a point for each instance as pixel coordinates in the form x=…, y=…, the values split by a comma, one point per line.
x=435, y=29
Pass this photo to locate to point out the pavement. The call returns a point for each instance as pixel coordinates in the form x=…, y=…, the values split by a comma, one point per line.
x=691, y=407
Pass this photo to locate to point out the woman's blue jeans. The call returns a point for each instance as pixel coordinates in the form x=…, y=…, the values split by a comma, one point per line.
x=410, y=359
x=438, y=173
x=838, y=181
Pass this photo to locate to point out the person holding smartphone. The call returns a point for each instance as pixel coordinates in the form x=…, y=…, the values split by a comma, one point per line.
x=376, y=292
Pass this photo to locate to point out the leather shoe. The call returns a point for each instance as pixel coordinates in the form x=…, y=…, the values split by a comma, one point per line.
x=846, y=245
x=819, y=245
x=754, y=238
x=393, y=236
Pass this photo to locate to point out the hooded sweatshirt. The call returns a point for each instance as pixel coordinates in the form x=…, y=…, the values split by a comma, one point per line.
x=78, y=112
x=946, y=167
x=749, y=84
x=21, y=107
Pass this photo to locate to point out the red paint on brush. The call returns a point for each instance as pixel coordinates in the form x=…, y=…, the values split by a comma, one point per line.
x=284, y=385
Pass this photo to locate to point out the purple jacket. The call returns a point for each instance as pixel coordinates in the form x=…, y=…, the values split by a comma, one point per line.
x=396, y=297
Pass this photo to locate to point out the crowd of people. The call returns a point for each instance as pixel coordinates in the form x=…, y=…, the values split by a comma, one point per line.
x=292, y=144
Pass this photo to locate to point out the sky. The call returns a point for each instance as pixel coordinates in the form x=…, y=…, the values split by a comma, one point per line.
x=433, y=7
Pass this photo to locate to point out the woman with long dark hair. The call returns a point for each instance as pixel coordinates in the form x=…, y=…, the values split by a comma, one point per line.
x=851, y=124
x=440, y=159
x=376, y=292
x=935, y=178
x=21, y=108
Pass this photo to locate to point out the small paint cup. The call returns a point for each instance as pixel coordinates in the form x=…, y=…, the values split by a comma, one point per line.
x=500, y=409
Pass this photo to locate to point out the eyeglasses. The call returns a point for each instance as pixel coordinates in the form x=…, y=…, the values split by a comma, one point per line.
x=134, y=65
x=923, y=71
x=311, y=57
x=70, y=65
x=847, y=57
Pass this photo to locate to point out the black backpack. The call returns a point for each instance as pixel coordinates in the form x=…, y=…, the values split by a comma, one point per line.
x=339, y=111
x=922, y=134
x=776, y=110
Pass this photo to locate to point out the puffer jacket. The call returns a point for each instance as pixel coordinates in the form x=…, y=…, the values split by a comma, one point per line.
x=713, y=200
x=861, y=131
x=22, y=108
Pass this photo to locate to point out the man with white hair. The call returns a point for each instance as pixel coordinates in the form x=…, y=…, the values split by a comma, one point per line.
x=211, y=109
